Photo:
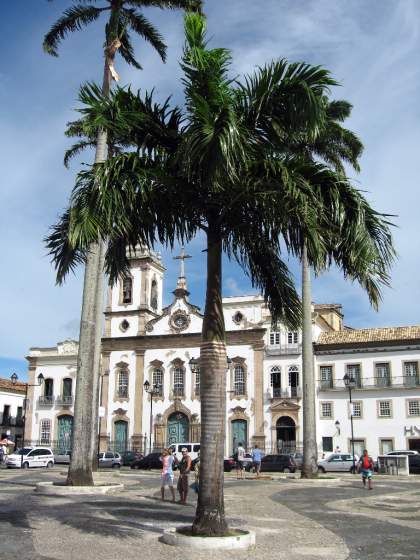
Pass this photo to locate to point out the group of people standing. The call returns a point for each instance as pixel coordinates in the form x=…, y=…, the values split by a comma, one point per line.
x=239, y=456
x=169, y=460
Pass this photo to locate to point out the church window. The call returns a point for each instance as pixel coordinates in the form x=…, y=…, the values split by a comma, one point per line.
x=127, y=289
x=292, y=337
x=122, y=389
x=154, y=295
x=124, y=325
x=238, y=317
x=239, y=380
x=293, y=380
x=275, y=380
x=274, y=338
x=45, y=432
x=178, y=388
x=157, y=380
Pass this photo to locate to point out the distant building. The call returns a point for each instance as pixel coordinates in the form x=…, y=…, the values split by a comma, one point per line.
x=11, y=410
x=145, y=342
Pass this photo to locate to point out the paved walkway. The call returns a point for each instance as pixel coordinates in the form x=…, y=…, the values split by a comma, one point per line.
x=294, y=520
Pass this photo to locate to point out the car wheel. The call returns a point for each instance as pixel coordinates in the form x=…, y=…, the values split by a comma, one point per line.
x=50, y=465
x=116, y=466
x=321, y=470
x=286, y=470
x=25, y=465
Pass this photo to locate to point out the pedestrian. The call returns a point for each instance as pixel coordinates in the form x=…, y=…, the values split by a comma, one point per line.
x=240, y=457
x=337, y=449
x=366, y=468
x=1, y=454
x=256, y=459
x=184, y=471
x=167, y=476
x=197, y=473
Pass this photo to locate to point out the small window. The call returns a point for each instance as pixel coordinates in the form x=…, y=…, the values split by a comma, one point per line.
x=187, y=447
x=274, y=338
x=196, y=448
x=326, y=377
x=45, y=432
x=384, y=409
x=382, y=374
x=326, y=410
x=109, y=455
x=127, y=288
x=327, y=444
x=292, y=337
x=356, y=409
x=197, y=382
x=124, y=325
x=353, y=370
x=239, y=380
x=157, y=381
x=178, y=382
x=414, y=407
x=386, y=446
x=238, y=317
x=410, y=373
x=122, y=390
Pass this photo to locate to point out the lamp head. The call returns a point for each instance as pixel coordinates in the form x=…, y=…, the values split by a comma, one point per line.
x=14, y=378
x=193, y=363
x=146, y=385
x=228, y=361
x=40, y=379
x=349, y=381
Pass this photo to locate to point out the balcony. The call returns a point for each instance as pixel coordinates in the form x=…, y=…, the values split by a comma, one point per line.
x=289, y=393
x=11, y=421
x=46, y=401
x=371, y=383
x=283, y=349
x=64, y=400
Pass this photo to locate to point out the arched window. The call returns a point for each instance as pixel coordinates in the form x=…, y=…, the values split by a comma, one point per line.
x=275, y=380
x=293, y=380
x=122, y=380
x=154, y=295
x=179, y=381
x=45, y=432
x=157, y=381
x=239, y=380
x=127, y=289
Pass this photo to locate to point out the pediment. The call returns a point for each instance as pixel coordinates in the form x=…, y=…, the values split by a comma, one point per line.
x=284, y=405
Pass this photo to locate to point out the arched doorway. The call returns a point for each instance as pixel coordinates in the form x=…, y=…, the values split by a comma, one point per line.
x=286, y=434
x=178, y=428
x=121, y=434
x=65, y=432
x=239, y=434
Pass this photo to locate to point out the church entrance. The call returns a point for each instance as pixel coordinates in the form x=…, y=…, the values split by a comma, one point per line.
x=286, y=435
x=65, y=432
x=239, y=434
x=121, y=431
x=178, y=428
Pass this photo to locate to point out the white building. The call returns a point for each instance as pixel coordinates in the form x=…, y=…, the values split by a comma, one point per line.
x=11, y=410
x=145, y=342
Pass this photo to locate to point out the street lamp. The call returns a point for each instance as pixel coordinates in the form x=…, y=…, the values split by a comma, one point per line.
x=14, y=380
x=193, y=363
x=152, y=391
x=350, y=383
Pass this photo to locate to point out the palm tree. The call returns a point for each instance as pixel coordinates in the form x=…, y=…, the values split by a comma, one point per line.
x=123, y=16
x=212, y=168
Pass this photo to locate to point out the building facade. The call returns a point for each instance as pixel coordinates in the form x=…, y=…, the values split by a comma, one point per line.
x=11, y=410
x=146, y=342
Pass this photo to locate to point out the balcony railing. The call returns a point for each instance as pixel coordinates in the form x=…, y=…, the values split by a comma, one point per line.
x=46, y=401
x=64, y=400
x=178, y=391
x=289, y=393
x=12, y=421
x=370, y=383
x=277, y=349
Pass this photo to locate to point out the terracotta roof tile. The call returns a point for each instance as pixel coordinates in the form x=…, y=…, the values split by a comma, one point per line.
x=7, y=384
x=370, y=335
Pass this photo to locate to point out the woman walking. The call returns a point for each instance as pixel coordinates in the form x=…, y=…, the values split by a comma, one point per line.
x=167, y=476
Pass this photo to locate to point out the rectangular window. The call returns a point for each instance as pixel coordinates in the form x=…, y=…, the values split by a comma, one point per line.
x=356, y=409
x=178, y=382
x=123, y=384
x=410, y=373
x=386, y=445
x=326, y=410
x=327, y=444
x=353, y=370
x=382, y=374
x=274, y=338
x=326, y=377
x=239, y=380
x=414, y=407
x=45, y=432
x=292, y=337
x=197, y=382
x=384, y=409
x=157, y=381
x=359, y=445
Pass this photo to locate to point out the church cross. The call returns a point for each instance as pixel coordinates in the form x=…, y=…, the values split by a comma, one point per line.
x=182, y=258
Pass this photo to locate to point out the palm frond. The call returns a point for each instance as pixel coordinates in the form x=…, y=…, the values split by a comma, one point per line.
x=76, y=149
x=145, y=29
x=126, y=50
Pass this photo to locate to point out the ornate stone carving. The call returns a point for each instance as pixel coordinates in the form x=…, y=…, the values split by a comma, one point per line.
x=179, y=321
x=120, y=412
x=67, y=347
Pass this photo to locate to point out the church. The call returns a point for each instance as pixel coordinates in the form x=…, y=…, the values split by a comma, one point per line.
x=150, y=375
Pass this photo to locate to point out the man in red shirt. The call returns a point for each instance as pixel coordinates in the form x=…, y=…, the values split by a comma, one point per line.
x=366, y=468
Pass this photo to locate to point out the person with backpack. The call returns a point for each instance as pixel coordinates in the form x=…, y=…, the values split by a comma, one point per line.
x=366, y=468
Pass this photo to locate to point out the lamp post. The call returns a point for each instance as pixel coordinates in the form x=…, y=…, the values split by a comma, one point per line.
x=14, y=379
x=350, y=383
x=152, y=391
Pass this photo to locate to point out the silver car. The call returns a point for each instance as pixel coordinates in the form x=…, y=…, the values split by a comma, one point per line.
x=109, y=460
x=342, y=462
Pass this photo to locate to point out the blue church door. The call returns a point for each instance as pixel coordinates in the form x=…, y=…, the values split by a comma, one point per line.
x=178, y=428
x=121, y=429
x=65, y=432
x=239, y=434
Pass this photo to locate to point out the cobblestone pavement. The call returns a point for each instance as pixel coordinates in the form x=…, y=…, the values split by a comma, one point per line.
x=293, y=520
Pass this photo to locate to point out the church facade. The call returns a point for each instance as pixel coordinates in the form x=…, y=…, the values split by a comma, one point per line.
x=150, y=375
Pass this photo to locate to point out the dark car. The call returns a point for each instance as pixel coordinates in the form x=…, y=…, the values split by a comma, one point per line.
x=414, y=464
x=128, y=457
x=278, y=463
x=228, y=464
x=151, y=461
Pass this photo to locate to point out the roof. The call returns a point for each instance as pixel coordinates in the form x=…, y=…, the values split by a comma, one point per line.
x=358, y=336
x=7, y=384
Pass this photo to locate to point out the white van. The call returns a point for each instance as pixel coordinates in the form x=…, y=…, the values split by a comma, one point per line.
x=31, y=457
x=192, y=448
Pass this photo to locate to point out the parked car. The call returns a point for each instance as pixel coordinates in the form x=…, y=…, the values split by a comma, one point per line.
x=403, y=452
x=62, y=456
x=128, y=457
x=151, y=461
x=109, y=460
x=341, y=462
x=192, y=448
x=298, y=458
x=414, y=463
x=276, y=463
x=31, y=457
x=229, y=464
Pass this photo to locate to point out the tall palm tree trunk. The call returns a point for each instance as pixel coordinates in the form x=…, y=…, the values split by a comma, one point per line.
x=210, y=513
x=85, y=425
x=310, y=454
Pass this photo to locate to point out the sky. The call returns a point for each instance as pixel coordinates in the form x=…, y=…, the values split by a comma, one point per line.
x=372, y=48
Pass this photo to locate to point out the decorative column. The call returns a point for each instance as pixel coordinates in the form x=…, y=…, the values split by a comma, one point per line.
x=137, y=437
x=103, y=431
x=259, y=436
x=28, y=407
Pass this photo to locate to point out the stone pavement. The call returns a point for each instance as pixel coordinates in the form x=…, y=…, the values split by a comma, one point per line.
x=294, y=520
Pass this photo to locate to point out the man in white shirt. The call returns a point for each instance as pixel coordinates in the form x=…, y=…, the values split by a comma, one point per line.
x=240, y=457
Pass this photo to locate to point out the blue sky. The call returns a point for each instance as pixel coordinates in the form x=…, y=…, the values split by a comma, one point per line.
x=372, y=49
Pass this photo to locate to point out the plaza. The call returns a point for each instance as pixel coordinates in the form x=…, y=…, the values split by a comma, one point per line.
x=333, y=518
